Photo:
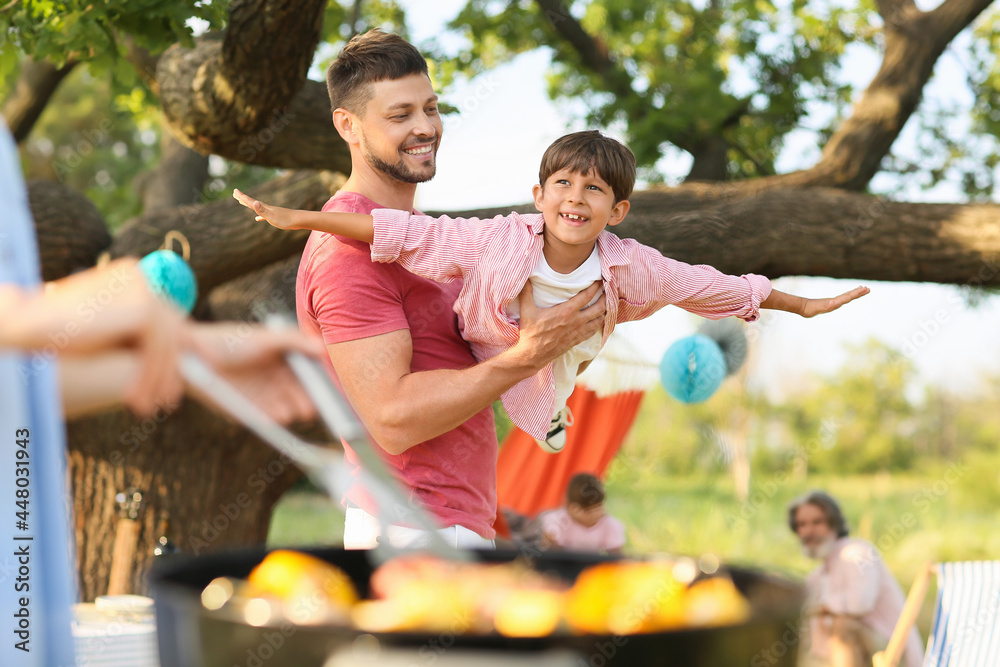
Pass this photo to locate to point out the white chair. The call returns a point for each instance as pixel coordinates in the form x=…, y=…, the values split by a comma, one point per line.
x=966, y=627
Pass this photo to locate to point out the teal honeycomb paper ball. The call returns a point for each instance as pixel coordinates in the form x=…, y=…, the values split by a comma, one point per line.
x=693, y=368
x=170, y=277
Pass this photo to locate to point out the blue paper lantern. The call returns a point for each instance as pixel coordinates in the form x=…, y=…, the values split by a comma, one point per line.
x=693, y=368
x=170, y=277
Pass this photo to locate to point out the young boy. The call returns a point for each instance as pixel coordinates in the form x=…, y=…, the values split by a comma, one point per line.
x=581, y=524
x=585, y=180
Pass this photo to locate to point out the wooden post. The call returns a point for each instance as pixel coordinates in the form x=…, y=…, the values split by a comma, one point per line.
x=126, y=541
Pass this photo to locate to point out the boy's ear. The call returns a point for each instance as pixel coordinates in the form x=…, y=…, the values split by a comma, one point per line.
x=344, y=121
x=618, y=213
x=538, y=193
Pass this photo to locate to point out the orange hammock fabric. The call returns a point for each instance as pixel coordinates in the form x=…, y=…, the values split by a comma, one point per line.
x=530, y=480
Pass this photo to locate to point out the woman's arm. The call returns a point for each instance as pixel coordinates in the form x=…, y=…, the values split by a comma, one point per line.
x=100, y=310
x=99, y=381
x=252, y=361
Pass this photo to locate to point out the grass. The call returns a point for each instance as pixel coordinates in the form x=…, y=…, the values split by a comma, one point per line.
x=306, y=518
x=911, y=518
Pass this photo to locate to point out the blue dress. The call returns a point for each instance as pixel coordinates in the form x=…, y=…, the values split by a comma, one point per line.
x=37, y=583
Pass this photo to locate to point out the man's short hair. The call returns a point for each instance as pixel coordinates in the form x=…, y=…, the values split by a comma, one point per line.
x=582, y=151
x=585, y=490
x=367, y=59
x=825, y=502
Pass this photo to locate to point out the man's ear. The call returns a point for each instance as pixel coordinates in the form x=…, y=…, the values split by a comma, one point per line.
x=345, y=121
x=618, y=213
x=538, y=193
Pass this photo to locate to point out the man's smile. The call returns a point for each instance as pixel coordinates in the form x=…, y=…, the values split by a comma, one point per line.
x=422, y=149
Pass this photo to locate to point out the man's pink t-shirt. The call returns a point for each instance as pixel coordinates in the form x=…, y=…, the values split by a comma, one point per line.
x=341, y=295
x=608, y=533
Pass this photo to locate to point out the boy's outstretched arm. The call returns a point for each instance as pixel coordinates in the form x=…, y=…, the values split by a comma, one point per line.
x=810, y=307
x=352, y=225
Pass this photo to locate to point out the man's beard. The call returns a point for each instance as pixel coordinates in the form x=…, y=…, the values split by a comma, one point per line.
x=399, y=170
x=819, y=551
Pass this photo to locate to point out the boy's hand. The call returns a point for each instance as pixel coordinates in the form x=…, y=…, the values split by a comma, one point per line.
x=282, y=218
x=813, y=307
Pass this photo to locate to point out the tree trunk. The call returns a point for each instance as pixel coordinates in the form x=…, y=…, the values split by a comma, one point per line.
x=71, y=231
x=711, y=161
x=246, y=97
x=211, y=481
x=178, y=179
x=36, y=83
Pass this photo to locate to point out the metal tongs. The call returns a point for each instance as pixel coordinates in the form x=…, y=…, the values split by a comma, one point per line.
x=325, y=465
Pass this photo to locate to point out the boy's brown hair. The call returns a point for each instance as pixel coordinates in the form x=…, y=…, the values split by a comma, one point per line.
x=584, y=490
x=582, y=151
x=369, y=58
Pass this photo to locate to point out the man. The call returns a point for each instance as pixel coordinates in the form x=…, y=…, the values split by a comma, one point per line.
x=853, y=601
x=392, y=337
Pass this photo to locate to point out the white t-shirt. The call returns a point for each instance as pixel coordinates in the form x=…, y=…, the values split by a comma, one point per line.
x=550, y=288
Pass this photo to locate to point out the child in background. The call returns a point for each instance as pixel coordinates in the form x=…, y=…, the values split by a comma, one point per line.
x=585, y=180
x=581, y=524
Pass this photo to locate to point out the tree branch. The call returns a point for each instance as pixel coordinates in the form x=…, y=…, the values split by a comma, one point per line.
x=143, y=61
x=36, y=83
x=894, y=12
x=853, y=155
x=257, y=294
x=265, y=57
x=592, y=50
x=226, y=242
x=71, y=231
x=246, y=98
x=814, y=232
x=953, y=16
x=707, y=149
x=913, y=43
x=355, y=18
x=177, y=180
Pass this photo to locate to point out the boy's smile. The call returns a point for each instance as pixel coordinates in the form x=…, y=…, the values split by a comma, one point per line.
x=576, y=208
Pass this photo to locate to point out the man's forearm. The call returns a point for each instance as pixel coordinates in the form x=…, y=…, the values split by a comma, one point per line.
x=430, y=403
x=402, y=408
